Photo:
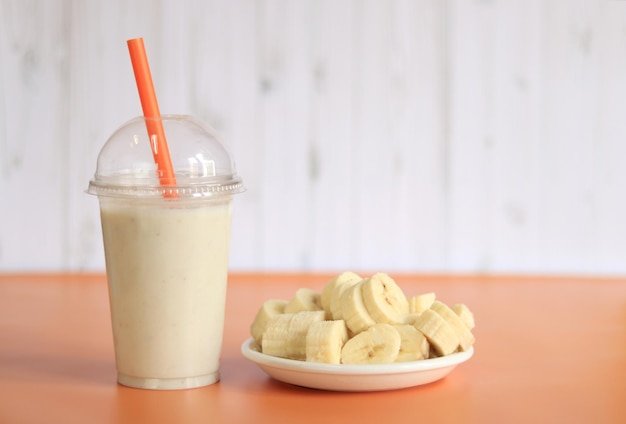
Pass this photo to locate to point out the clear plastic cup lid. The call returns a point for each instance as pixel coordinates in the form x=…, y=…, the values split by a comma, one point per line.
x=202, y=166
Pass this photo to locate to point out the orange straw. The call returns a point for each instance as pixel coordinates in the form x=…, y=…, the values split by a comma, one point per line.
x=151, y=112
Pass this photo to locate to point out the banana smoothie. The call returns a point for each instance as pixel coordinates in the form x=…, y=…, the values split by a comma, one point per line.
x=166, y=248
x=167, y=268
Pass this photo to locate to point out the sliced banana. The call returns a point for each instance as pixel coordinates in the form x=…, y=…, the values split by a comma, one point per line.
x=298, y=329
x=336, y=308
x=379, y=344
x=329, y=288
x=324, y=341
x=439, y=333
x=267, y=311
x=353, y=309
x=413, y=344
x=466, y=338
x=358, y=320
x=384, y=299
x=304, y=299
x=275, y=339
x=285, y=335
x=465, y=314
x=420, y=302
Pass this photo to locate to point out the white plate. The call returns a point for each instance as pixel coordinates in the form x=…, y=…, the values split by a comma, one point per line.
x=354, y=378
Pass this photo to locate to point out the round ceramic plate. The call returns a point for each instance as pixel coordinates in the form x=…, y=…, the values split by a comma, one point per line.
x=354, y=378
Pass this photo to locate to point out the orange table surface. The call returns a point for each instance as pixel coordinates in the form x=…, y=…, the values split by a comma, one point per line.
x=548, y=349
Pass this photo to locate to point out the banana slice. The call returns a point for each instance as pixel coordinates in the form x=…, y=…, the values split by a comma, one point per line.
x=413, y=344
x=419, y=303
x=298, y=329
x=267, y=311
x=275, y=339
x=353, y=309
x=384, y=299
x=410, y=318
x=285, y=335
x=439, y=333
x=466, y=338
x=329, y=288
x=465, y=314
x=379, y=344
x=336, y=308
x=325, y=340
x=304, y=300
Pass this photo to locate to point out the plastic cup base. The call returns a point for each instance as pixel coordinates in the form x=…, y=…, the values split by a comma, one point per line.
x=168, y=383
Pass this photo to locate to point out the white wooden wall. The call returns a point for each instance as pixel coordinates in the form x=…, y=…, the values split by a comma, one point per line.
x=426, y=135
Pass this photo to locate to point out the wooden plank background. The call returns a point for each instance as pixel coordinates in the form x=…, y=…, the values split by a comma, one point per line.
x=426, y=135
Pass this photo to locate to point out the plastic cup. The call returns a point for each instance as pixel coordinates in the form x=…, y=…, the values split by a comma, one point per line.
x=166, y=251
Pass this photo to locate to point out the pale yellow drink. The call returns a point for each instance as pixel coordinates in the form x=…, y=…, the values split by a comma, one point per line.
x=166, y=247
x=167, y=266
